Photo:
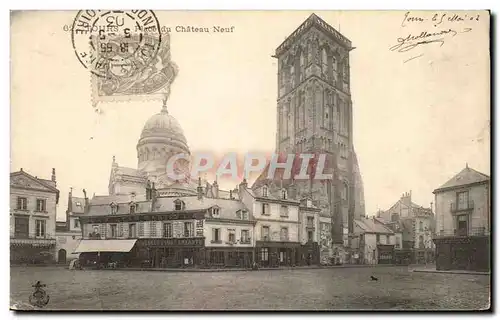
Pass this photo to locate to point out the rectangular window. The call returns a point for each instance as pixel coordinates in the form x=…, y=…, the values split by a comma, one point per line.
x=216, y=235
x=141, y=229
x=199, y=223
x=265, y=208
x=133, y=208
x=21, y=227
x=463, y=199
x=387, y=240
x=188, y=229
x=310, y=222
x=22, y=203
x=41, y=205
x=378, y=238
x=232, y=237
x=284, y=234
x=264, y=254
x=131, y=231
x=76, y=223
x=245, y=236
x=40, y=228
x=152, y=229
x=167, y=230
x=120, y=234
x=244, y=215
x=265, y=233
x=113, y=231
x=102, y=230
x=284, y=211
x=238, y=214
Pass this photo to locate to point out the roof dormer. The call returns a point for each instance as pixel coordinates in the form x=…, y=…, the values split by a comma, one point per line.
x=215, y=211
x=265, y=191
x=179, y=205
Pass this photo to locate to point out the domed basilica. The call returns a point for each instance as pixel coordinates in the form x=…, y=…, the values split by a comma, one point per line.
x=161, y=138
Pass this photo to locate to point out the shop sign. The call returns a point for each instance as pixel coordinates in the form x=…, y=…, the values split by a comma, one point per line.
x=193, y=242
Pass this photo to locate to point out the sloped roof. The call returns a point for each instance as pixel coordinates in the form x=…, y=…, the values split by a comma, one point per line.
x=74, y=204
x=228, y=208
x=371, y=226
x=464, y=177
x=17, y=181
x=128, y=171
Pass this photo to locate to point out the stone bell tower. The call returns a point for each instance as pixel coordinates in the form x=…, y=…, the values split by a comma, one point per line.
x=314, y=115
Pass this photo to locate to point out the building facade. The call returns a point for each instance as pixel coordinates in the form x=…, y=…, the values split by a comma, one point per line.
x=417, y=225
x=314, y=115
x=69, y=232
x=463, y=222
x=374, y=243
x=33, y=205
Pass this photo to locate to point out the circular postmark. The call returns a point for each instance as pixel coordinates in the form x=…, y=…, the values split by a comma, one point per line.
x=116, y=42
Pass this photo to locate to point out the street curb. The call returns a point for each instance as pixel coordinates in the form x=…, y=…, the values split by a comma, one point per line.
x=454, y=272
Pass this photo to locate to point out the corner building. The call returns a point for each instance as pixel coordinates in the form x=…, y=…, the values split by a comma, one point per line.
x=314, y=115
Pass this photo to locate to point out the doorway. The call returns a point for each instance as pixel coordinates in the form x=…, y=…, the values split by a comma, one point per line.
x=61, y=256
x=462, y=225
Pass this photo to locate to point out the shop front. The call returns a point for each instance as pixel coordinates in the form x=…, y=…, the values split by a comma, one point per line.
x=309, y=254
x=229, y=257
x=385, y=253
x=275, y=254
x=170, y=253
x=32, y=251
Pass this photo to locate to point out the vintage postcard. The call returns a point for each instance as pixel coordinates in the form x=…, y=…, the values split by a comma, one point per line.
x=250, y=160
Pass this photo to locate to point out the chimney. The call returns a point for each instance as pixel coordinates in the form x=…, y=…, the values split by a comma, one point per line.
x=53, y=178
x=114, y=163
x=243, y=185
x=215, y=188
x=199, y=189
x=86, y=208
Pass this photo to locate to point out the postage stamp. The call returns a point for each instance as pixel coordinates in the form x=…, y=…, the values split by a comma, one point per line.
x=126, y=52
x=142, y=75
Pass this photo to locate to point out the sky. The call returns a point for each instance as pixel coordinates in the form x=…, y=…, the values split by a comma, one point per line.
x=416, y=123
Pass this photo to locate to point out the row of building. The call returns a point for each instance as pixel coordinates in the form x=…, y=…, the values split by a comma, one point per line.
x=218, y=228
x=150, y=220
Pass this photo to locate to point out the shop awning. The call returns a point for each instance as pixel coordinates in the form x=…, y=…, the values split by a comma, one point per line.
x=105, y=246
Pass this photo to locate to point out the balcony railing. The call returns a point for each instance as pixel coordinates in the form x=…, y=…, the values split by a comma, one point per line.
x=462, y=232
x=459, y=207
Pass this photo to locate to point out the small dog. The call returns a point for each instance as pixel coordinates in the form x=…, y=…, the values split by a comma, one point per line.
x=373, y=278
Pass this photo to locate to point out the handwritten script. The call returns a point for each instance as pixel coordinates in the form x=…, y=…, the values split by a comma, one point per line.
x=437, y=28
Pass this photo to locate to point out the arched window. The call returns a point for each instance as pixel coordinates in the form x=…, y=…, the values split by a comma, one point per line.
x=283, y=194
x=421, y=244
x=324, y=61
x=264, y=191
x=420, y=226
x=334, y=64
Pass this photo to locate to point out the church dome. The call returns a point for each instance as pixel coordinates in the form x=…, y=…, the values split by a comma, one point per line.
x=161, y=138
x=163, y=125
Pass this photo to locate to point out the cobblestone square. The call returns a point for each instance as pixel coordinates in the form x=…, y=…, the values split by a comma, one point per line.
x=397, y=288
